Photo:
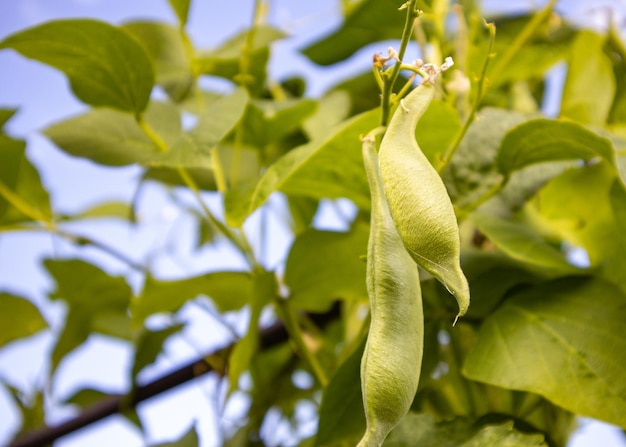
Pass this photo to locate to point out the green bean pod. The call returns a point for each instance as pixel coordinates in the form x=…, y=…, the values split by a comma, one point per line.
x=418, y=199
x=391, y=363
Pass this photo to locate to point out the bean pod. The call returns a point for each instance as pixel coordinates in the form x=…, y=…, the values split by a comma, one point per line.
x=418, y=199
x=391, y=363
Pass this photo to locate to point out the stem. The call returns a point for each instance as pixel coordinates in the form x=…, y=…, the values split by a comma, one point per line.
x=521, y=39
x=389, y=79
x=295, y=333
x=479, y=96
x=495, y=189
x=24, y=207
x=150, y=133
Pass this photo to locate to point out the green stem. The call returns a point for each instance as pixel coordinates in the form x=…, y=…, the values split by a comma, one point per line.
x=150, y=133
x=477, y=100
x=24, y=207
x=462, y=213
x=295, y=333
x=521, y=40
x=389, y=79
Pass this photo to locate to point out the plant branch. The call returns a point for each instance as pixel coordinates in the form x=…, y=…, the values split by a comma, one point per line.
x=269, y=337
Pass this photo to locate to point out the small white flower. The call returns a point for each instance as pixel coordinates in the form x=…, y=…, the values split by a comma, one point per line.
x=459, y=83
x=432, y=71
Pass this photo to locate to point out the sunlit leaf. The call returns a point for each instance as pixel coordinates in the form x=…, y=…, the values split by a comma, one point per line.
x=332, y=110
x=6, y=115
x=105, y=66
x=519, y=242
x=227, y=290
x=90, y=294
x=534, y=343
x=590, y=85
x=106, y=210
x=324, y=266
x=329, y=168
x=436, y=129
x=18, y=318
x=544, y=140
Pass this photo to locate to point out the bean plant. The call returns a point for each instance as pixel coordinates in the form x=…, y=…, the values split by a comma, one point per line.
x=464, y=318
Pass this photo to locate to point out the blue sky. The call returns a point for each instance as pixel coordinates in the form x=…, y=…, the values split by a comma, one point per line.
x=42, y=95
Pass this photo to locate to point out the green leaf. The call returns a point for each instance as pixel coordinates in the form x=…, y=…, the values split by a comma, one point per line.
x=113, y=138
x=228, y=291
x=149, y=344
x=106, y=210
x=29, y=200
x=264, y=291
x=324, y=266
x=224, y=61
x=91, y=296
x=329, y=168
x=31, y=409
x=6, y=115
x=189, y=439
x=19, y=318
x=534, y=343
x=366, y=22
x=520, y=242
x=181, y=8
x=590, y=84
x=472, y=170
x=86, y=397
x=577, y=205
x=544, y=140
x=166, y=47
x=341, y=414
x=422, y=430
x=436, y=129
x=220, y=118
x=105, y=66
x=331, y=111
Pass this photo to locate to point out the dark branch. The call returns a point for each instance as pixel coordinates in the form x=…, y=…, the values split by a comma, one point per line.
x=269, y=337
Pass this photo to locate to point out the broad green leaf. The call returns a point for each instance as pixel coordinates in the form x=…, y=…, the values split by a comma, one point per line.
x=22, y=196
x=189, y=439
x=105, y=66
x=436, y=129
x=544, y=140
x=113, y=138
x=106, y=210
x=332, y=110
x=225, y=60
x=302, y=211
x=19, y=318
x=31, y=409
x=324, y=266
x=268, y=121
x=166, y=47
x=181, y=8
x=86, y=396
x=228, y=291
x=149, y=344
x=590, y=84
x=577, y=205
x=561, y=340
x=520, y=242
x=6, y=115
x=342, y=418
x=91, y=295
x=365, y=22
x=264, y=291
x=472, y=170
x=220, y=118
x=329, y=168
x=421, y=430
x=363, y=91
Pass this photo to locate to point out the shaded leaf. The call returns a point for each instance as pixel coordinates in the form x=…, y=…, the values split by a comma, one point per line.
x=18, y=318
x=181, y=8
x=149, y=344
x=342, y=418
x=105, y=66
x=91, y=296
x=86, y=396
x=422, y=430
x=365, y=22
x=6, y=115
x=165, y=46
x=105, y=210
x=545, y=140
x=520, y=242
x=590, y=84
x=189, y=439
x=533, y=343
x=324, y=266
x=31, y=409
x=329, y=168
x=436, y=129
x=227, y=290
x=332, y=110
